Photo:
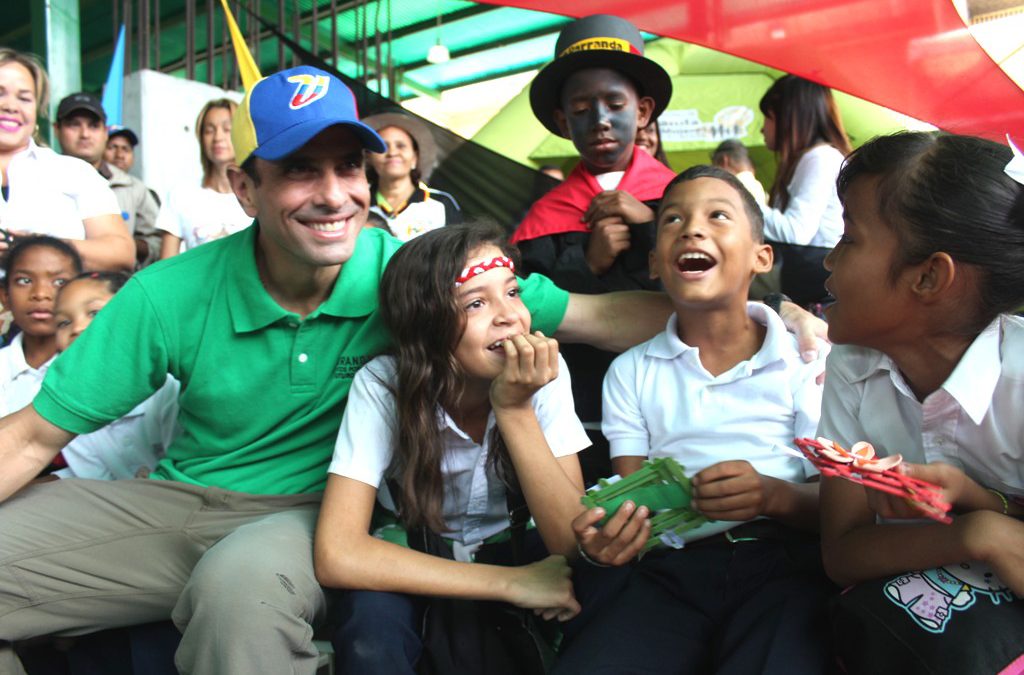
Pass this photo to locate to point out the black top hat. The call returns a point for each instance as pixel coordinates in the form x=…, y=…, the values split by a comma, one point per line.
x=598, y=41
x=80, y=101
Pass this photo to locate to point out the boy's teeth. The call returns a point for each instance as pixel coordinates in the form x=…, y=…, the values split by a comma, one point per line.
x=695, y=256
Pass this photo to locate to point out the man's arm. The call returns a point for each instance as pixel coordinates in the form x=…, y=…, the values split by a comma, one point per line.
x=27, y=444
x=617, y=321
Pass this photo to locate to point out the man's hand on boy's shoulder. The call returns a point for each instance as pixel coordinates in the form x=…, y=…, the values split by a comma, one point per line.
x=616, y=203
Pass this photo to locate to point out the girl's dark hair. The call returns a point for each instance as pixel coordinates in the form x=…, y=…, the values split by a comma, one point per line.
x=415, y=175
x=943, y=192
x=24, y=244
x=114, y=281
x=750, y=206
x=418, y=306
x=805, y=115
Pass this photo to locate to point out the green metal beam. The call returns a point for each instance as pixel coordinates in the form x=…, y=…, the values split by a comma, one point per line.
x=56, y=38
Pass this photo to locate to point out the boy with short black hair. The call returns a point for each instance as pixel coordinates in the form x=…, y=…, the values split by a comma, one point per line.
x=719, y=391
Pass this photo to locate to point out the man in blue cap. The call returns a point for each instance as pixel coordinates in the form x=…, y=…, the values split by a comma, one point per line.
x=265, y=330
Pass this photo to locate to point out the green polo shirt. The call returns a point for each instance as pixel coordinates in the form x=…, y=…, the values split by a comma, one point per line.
x=262, y=390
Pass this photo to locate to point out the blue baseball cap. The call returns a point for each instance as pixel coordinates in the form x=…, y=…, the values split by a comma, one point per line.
x=283, y=111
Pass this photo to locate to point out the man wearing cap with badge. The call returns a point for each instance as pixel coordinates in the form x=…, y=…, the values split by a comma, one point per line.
x=82, y=132
x=265, y=330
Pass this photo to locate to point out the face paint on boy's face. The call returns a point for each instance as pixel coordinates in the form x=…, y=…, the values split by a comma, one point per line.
x=600, y=113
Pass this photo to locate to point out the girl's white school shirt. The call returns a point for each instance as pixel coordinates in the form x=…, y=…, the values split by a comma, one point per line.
x=974, y=421
x=474, y=500
x=19, y=382
x=814, y=214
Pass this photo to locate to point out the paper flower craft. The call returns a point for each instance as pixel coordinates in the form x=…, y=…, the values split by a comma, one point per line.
x=859, y=465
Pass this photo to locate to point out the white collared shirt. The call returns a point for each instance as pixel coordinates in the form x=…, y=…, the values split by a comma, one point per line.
x=474, y=507
x=52, y=194
x=660, y=401
x=19, y=382
x=128, y=447
x=975, y=421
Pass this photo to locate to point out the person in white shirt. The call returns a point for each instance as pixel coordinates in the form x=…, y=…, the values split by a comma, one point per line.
x=802, y=125
x=46, y=193
x=453, y=439
x=34, y=269
x=720, y=391
x=928, y=365
x=196, y=214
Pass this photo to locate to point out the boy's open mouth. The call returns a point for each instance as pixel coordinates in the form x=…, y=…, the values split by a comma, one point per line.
x=695, y=261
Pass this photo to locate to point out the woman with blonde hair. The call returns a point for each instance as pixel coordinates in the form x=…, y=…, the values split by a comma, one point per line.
x=196, y=214
x=803, y=127
x=47, y=193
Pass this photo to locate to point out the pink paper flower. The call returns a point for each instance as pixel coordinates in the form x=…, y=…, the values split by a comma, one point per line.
x=861, y=456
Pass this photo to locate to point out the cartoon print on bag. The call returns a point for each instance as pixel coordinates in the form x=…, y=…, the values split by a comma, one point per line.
x=930, y=597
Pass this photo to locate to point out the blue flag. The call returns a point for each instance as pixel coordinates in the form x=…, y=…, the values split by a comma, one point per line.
x=113, y=91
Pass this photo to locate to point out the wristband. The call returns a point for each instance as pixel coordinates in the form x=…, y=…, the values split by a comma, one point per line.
x=775, y=300
x=587, y=558
x=1002, y=498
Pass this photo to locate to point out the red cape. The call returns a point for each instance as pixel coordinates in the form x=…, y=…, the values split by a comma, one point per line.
x=560, y=210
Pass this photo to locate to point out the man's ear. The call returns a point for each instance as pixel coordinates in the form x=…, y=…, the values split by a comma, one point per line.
x=644, y=110
x=934, y=277
x=244, y=188
x=561, y=122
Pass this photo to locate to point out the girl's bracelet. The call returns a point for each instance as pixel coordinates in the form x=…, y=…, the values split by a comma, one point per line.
x=587, y=558
x=1002, y=498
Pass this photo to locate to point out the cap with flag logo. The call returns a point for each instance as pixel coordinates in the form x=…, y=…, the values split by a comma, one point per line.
x=284, y=111
x=598, y=41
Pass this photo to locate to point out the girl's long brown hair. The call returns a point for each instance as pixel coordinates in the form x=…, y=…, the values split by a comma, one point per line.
x=418, y=306
x=805, y=115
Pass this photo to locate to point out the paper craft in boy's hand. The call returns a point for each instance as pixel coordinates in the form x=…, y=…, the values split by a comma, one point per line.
x=662, y=486
x=859, y=465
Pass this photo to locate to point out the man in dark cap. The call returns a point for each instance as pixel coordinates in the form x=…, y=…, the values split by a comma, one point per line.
x=121, y=142
x=82, y=132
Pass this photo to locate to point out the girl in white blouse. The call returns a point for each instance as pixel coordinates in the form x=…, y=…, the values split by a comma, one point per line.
x=929, y=364
x=470, y=406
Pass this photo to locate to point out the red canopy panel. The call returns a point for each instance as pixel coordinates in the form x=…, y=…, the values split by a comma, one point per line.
x=913, y=56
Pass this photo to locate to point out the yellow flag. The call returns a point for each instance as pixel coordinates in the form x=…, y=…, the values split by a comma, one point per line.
x=246, y=66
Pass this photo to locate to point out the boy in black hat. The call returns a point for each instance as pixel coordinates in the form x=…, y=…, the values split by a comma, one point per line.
x=592, y=232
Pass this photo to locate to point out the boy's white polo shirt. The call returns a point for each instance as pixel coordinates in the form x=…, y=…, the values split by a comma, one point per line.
x=474, y=506
x=660, y=401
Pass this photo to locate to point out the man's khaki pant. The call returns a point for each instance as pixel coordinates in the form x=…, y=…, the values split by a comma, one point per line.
x=234, y=571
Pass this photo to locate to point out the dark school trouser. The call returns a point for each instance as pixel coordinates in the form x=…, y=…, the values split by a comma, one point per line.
x=234, y=571
x=730, y=608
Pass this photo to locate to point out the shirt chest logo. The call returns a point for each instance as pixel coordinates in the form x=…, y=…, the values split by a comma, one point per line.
x=347, y=366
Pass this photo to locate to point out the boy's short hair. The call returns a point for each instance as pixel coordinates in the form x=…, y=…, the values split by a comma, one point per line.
x=749, y=203
x=734, y=150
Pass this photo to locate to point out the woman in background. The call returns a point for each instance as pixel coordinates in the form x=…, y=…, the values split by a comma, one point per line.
x=802, y=126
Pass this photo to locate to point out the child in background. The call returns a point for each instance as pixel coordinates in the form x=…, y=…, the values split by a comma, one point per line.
x=929, y=364
x=35, y=268
x=470, y=404
x=719, y=391
x=130, y=446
